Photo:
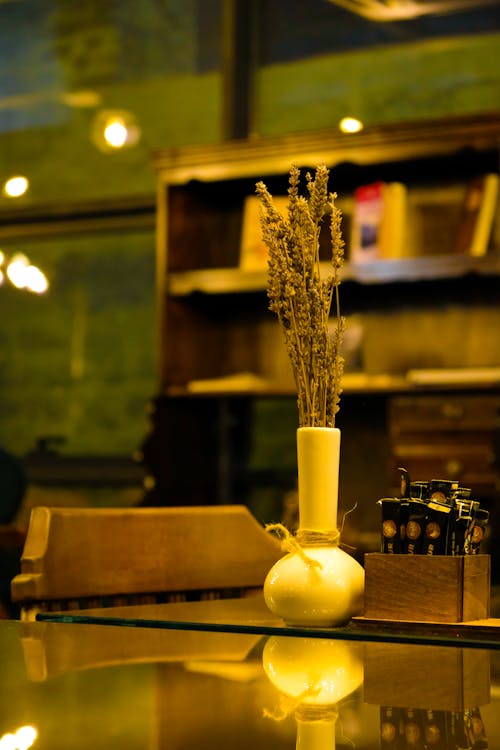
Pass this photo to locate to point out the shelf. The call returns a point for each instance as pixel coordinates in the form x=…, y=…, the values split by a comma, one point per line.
x=233, y=281
x=55, y=469
x=260, y=156
x=247, y=384
x=215, y=281
x=415, y=381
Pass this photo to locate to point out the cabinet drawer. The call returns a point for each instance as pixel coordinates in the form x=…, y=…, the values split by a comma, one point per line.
x=472, y=464
x=425, y=413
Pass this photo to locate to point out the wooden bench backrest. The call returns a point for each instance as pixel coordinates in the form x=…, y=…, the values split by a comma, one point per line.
x=83, y=553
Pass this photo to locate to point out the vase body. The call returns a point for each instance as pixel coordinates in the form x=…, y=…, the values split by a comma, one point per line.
x=324, y=586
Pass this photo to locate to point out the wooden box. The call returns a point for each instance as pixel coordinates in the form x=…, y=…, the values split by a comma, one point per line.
x=426, y=588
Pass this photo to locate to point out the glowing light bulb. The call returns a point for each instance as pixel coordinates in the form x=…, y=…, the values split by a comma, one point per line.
x=25, y=737
x=112, y=130
x=16, y=270
x=116, y=133
x=15, y=186
x=24, y=275
x=35, y=280
x=350, y=125
x=2, y=258
x=8, y=742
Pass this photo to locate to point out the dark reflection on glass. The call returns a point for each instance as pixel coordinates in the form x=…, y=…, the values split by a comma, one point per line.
x=428, y=697
x=412, y=729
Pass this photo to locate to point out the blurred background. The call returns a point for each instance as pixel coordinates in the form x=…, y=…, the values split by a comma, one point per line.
x=88, y=92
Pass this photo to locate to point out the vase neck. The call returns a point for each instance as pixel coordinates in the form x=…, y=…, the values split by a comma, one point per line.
x=318, y=456
x=316, y=735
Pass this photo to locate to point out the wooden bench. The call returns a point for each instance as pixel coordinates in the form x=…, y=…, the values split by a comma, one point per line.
x=79, y=558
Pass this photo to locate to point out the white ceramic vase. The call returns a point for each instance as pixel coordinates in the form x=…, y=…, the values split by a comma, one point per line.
x=322, y=585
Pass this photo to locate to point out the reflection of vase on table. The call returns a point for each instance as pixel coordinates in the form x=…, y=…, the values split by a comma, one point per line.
x=312, y=676
x=316, y=583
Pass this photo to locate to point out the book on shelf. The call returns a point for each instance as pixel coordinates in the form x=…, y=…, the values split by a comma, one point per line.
x=253, y=252
x=378, y=222
x=478, y=215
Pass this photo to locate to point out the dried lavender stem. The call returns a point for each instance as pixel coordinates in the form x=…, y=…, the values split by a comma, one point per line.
x=300, y=298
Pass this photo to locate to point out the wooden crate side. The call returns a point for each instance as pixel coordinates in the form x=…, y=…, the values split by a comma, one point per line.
x=477, y=586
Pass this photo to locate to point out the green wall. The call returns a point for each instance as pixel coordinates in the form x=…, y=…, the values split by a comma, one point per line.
x=418, y=80
x=79, y=361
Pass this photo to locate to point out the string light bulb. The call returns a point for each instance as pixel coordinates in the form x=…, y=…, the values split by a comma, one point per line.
x=22, y=739
x=16, y=270
x=24, y=275
x=114, y=130
x=25, y=737
x=116, y=133
x=350, y=125
x=16, y=186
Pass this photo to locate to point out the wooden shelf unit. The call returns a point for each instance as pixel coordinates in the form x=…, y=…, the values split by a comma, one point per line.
x=214, y=323
x=406, y=270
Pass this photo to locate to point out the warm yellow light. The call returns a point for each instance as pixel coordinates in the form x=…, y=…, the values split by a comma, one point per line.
x=15, y=186
x=116, y=133
x=16, y=270
x=2, y=258
x=35, y=280
x=113, y=130
x=2, y=278
x=24, y=275
x=25, y=737
x=350, y=125
x=8, y=742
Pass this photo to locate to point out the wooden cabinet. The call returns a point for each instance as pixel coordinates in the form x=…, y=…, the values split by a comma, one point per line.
x=454, y=436
x=220, y=349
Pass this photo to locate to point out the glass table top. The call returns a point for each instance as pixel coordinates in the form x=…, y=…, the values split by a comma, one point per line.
x=250, y=615
x=88, y=686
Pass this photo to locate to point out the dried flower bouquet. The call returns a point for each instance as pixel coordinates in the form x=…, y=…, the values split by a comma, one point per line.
x=301, y=299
